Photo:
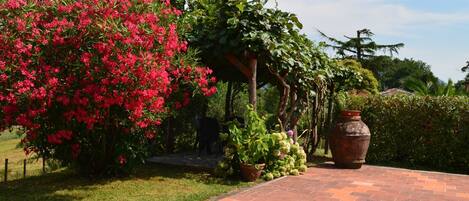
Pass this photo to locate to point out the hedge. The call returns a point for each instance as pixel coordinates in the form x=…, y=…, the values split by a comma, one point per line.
x=432, y=132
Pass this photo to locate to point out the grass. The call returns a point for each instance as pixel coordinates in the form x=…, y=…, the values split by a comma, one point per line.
x=9, y=134
x=149, y=182
x=319, y=157
x=9, y=150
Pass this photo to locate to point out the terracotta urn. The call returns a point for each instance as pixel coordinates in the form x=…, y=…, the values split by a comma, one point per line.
x=349, y=140
x=250, y=172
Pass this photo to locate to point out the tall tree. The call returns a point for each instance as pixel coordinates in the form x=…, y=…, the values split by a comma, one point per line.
x=360, y=47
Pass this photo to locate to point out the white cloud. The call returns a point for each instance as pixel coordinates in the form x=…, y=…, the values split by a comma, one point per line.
x=418, y=29
x=339, y=17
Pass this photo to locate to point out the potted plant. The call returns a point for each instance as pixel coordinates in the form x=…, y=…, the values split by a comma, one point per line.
x=251, y=151
x=250, y=145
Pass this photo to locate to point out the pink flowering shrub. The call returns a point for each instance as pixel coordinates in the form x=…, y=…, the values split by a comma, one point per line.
x=91, y=80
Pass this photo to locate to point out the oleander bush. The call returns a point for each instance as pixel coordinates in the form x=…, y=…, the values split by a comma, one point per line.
x=90, y=81
x=422, y=131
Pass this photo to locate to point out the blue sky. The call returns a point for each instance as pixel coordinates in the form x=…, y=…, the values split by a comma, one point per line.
x=434, y=31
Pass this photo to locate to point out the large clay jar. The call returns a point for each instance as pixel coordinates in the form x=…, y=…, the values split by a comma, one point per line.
x=350, y=140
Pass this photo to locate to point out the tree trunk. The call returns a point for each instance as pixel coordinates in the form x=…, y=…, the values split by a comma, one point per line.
x=228, y=97
x=169, y=136
x=314, y=129
x=282, y=108
x=250, y=71
x=329, y=116
x=296, y=115
x=293, y=105
x=284, y=90
x=315, y=123
x=358, y=46
x=252, y=81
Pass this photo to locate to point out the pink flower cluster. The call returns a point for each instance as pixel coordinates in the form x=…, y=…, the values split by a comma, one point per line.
x=68, y=66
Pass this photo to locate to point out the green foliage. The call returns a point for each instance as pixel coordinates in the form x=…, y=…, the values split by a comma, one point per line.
x=434, y=88
x=286, y=157
x=392, y=72
x=254, y=145
x=360, y=47
x=364, y=80
x=463, y=85
x=230, y=33
x=251, y=142
x=466, y=68
x=418, y=131
x=238, y=25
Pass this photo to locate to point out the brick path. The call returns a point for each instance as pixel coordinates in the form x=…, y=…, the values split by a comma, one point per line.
x=372, y=183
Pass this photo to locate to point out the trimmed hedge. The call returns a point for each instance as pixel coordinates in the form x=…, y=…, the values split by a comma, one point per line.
x=418, y=131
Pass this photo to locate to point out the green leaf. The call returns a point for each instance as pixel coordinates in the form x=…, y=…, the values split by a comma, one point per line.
x=297, y=22
x=240, y=6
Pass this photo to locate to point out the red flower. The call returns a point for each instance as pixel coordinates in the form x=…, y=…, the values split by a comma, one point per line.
x=150, y=135
x=15, y=4
x=75, y=150
x=69, y=68
x=122, y=160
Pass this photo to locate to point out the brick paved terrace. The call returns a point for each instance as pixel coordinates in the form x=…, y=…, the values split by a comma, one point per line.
x=370, y=183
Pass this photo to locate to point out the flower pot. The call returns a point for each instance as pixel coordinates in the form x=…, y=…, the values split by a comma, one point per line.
x=250, y=172
x=350, y=140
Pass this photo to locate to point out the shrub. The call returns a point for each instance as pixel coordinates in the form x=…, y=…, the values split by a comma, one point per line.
x=415, y=130
x=91, y=80
x=367, y=81
x=254, y=145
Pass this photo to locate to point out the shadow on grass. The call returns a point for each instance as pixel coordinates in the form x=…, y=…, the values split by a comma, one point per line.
x=48, y=187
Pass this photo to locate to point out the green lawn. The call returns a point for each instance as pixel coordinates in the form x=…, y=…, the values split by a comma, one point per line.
x=9, y=149
x=150, y=182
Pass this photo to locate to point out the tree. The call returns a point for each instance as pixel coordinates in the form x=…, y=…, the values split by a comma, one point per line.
x=237, y=33
x=432, y=88
x=463, y=85
x=365, y=81
x=466, y=69
x=234, y=34
x=361, y=46
x=392, y=72
x=91, y=81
